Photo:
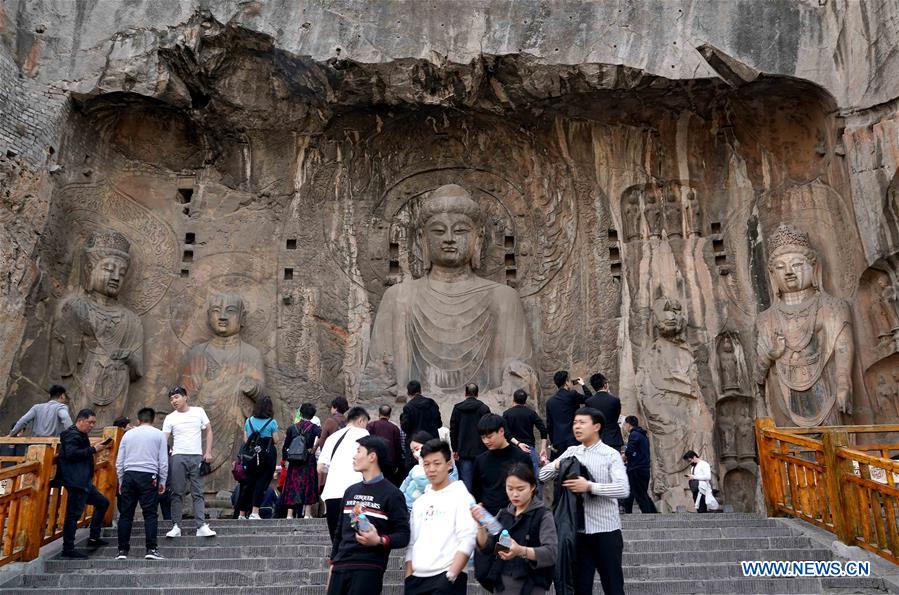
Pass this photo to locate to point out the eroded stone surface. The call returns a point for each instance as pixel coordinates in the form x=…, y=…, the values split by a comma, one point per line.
x=620, y=152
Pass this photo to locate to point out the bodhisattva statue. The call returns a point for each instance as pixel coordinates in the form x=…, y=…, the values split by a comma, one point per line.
x=694, y=214
x=670, y=401
x=630, y=216
x=224, y=375
x=672, y=214
x=653, y=213
x=98, y=343
x=805, y=346
x=449, y=327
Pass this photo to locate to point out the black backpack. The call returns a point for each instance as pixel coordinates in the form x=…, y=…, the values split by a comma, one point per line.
x=254, y=449
x=298, y=451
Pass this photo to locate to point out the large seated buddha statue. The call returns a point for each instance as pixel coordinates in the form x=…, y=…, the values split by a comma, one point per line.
x=450, y=326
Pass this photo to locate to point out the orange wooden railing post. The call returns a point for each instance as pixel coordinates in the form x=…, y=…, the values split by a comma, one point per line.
x=842, y=512
x=36, y=509
x=772, y=480
x=105, y=478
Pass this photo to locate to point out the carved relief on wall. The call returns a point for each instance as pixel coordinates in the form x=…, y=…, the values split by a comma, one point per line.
x=669, y=206
x=671, y=403
x=115, y=260
x=98, y=343
x=448, y=326
x=805, y=348
x=877, y=302
x=224, y=375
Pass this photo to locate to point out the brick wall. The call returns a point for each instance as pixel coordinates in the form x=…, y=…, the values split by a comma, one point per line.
x=30, y=119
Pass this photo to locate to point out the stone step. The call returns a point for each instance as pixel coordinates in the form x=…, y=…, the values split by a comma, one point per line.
x=662, y=534
x=270, y=545
x=310, y=564
x=249, y=578
x=711, y=586
x=321, y=553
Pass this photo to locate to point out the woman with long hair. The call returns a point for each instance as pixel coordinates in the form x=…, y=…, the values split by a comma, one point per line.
x=523, y=565
x=301, y=481
x=263, y=427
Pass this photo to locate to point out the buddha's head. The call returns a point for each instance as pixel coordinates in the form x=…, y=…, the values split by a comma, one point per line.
x=450, y=228
x=225, y=314
x=107, y=258
x=668, y=316
x=792, y=263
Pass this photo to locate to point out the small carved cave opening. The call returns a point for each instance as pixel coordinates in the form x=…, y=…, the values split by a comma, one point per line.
x=291, y=244
x=190, y=238
x=288, y=274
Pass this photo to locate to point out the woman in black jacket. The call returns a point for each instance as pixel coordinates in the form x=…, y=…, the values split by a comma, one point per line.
x=526, y=568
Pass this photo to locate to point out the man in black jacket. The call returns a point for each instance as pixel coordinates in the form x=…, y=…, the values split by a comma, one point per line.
x=75, y=472
x=464, y=434
x=489, y=485
x=637, y=463
x=560, y=410
x=419, y=414
x=610, y=407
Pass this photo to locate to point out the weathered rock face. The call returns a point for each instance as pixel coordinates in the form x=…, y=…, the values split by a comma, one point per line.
x=619, y=153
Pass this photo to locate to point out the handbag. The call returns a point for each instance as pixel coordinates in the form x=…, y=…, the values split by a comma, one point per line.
x=238, y=471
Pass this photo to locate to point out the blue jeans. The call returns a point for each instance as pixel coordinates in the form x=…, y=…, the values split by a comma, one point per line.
x=466, y=472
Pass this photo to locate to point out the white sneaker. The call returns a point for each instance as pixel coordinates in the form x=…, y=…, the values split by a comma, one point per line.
x=242, y=518
x=254, y=517
x=205, y=531
x=175, y=532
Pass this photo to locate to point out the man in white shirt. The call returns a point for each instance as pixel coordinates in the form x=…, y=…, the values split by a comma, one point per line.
x=336, y=461
x=443, y=531
x=142, y=466
x=599, y=548
x=187, y=425
x=700, y=480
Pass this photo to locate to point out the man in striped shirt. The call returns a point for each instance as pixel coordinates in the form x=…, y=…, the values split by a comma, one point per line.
x=600, y=546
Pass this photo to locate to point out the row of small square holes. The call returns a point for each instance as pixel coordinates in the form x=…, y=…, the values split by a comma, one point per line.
x=291, y=244
x=185, y=195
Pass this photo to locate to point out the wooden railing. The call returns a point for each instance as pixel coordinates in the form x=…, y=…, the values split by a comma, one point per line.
x=821, y=476
x=31, y=511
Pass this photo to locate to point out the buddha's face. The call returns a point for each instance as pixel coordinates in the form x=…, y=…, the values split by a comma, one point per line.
x=451, y=239
x=793, y=271
x=107, y=276
x=224, y=315
x=669, y=316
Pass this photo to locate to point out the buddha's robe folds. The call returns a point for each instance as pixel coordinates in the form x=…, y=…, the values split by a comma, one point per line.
x=445, y=335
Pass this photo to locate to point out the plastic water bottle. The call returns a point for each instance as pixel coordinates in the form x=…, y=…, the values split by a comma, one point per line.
x=504, y=544
x=363, y=525
x=488, y=521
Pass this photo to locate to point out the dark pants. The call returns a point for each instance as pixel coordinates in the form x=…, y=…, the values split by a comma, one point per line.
x=639, y=480
x=75, y=505
x=466, y=472
x=138, y=486
x=333, y=508
x=702, y=506
x=599, y=552
x=557, y=452
x=436, y=585
x=252, y=491
x=356, y=581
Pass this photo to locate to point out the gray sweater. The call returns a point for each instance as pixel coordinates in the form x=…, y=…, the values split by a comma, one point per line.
x=47, y=419
x=143, y=449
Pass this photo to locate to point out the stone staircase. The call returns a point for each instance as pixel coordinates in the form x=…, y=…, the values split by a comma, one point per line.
x=671, y=553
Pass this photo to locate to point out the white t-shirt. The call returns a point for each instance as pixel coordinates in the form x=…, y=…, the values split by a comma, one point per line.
x=186, y=430
x=441, y=526
x=340, y=464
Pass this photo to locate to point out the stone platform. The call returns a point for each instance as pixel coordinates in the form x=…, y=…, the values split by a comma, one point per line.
x=667, y=553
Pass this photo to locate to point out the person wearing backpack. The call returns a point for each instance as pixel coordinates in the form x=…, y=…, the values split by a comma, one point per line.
x=301, y=481
x=259, y=456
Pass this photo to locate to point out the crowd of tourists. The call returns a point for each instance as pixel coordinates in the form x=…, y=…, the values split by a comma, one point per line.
x=463, y=500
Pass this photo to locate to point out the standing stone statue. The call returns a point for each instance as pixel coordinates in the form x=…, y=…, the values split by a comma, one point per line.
x=98, y=343
x=694, y=214
x=450, y=326
x=670, y=401
x=653, y=213
x=224, y=375
x=671, y=212
x=805, y=346
x=728, y=367
x=630, y=215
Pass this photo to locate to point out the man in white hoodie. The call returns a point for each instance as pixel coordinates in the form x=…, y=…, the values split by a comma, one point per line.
x=443, y=532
